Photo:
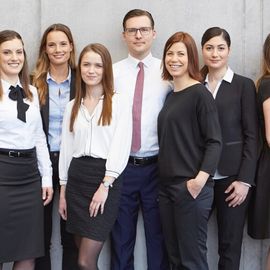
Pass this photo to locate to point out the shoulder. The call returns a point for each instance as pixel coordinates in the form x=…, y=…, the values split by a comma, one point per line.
x=121, y=99
x=120, y=64
x=242, y=79
x=265, y=83
x=34, y=91
x=200, y=90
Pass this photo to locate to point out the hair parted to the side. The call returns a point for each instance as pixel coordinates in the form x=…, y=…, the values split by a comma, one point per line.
x=192, y=53
x=210, y=33
x=7, y=35
x=43, y=63
x=265, y=61
x=107, y=84
x=137, y=13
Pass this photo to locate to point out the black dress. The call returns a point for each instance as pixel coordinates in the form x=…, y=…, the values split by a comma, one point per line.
x=259, y=216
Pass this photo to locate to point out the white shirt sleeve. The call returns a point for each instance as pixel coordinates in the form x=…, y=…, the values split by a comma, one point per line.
x=43, y=157
x=121, y=141
x=66, y=147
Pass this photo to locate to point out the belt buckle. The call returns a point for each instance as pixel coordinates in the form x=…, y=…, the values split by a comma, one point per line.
x=136, y=162
x=13, y=154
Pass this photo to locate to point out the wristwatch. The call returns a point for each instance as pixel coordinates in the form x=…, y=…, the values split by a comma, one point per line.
x=107, y=184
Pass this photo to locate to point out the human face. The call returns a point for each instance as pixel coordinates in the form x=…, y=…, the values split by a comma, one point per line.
x=176, y=60
x=216, y=53
x=58, y=48
x=91, y=69
x=11, y=59
x=139, y=45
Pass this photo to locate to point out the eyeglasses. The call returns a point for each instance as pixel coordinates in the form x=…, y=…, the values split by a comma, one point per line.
x=144, y=31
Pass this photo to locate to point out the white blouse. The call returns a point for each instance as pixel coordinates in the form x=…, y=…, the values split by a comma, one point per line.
x=15, y=134
x=111, y=142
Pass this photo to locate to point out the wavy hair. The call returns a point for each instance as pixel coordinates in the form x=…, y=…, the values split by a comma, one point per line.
x=43, y=63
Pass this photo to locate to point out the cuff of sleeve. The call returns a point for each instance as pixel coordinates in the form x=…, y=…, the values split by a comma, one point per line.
x=63, y=182
x=46, y=181
x=112, y=174
x=246, y=184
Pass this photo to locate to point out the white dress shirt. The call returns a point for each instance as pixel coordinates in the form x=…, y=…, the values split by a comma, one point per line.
x=16, y=134
x=155, y=91
x=111, y=142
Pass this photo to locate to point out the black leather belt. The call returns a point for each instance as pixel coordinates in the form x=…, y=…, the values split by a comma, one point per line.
x=18, y=153
x=142, y=161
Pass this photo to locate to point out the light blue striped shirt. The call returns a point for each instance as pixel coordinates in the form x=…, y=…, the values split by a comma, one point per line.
x=59, y=95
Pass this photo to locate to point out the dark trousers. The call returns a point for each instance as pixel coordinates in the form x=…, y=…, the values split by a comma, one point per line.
x=184, y=222
x=231, y=221
x=70, y=251
x=139, y=189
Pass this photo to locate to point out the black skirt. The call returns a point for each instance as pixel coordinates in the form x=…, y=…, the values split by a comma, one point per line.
x=84, y=177
x=21, y=209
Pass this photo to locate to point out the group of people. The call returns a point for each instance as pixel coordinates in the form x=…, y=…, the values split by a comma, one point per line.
x=161, y=136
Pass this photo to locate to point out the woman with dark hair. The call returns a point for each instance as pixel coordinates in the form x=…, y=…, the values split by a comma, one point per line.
x=26, y=173
x=96, y=141
x=190, y=144
x=54, y=77
x=259, y=216
x=235, y=98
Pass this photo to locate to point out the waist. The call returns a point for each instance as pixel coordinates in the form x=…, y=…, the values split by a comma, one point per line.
x=20, y=153
x=142, y=161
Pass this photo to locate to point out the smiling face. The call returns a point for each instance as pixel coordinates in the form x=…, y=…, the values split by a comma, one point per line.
x=11, y=59
x=139, y=44
x=58, y=48
x=176, y=60
x=216, y=53
x=91, y=69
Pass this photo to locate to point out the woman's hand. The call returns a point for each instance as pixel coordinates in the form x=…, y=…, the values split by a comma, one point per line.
x=238, y=193
x=47, y=194
x=62, y=209
x=98, y=201
x=195, y=185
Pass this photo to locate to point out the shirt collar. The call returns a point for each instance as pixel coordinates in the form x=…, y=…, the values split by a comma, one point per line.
x=146, y=61
x=227, y=77
x=6, y=85
x=49, y=77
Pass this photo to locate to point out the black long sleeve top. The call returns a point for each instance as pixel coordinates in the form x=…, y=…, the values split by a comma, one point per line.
x=189, y=134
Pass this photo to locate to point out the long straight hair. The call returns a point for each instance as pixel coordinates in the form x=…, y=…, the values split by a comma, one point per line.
x=43, y=63
x=107, y=84
x=266, y=61
x=8, y=35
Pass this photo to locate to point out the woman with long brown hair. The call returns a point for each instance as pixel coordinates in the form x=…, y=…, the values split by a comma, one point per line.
x=96, y=140
x=54, y=77
x=26, y=173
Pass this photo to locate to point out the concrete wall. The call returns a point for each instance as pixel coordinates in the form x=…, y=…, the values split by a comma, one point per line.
x=247, y=21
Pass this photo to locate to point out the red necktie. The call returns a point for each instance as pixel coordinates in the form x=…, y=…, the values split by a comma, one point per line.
x=137, y=110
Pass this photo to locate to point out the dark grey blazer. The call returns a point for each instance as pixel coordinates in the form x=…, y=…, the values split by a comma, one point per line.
x=237, y=108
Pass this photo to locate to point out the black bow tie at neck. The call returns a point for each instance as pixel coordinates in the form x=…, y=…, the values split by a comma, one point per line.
x=17, y=93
